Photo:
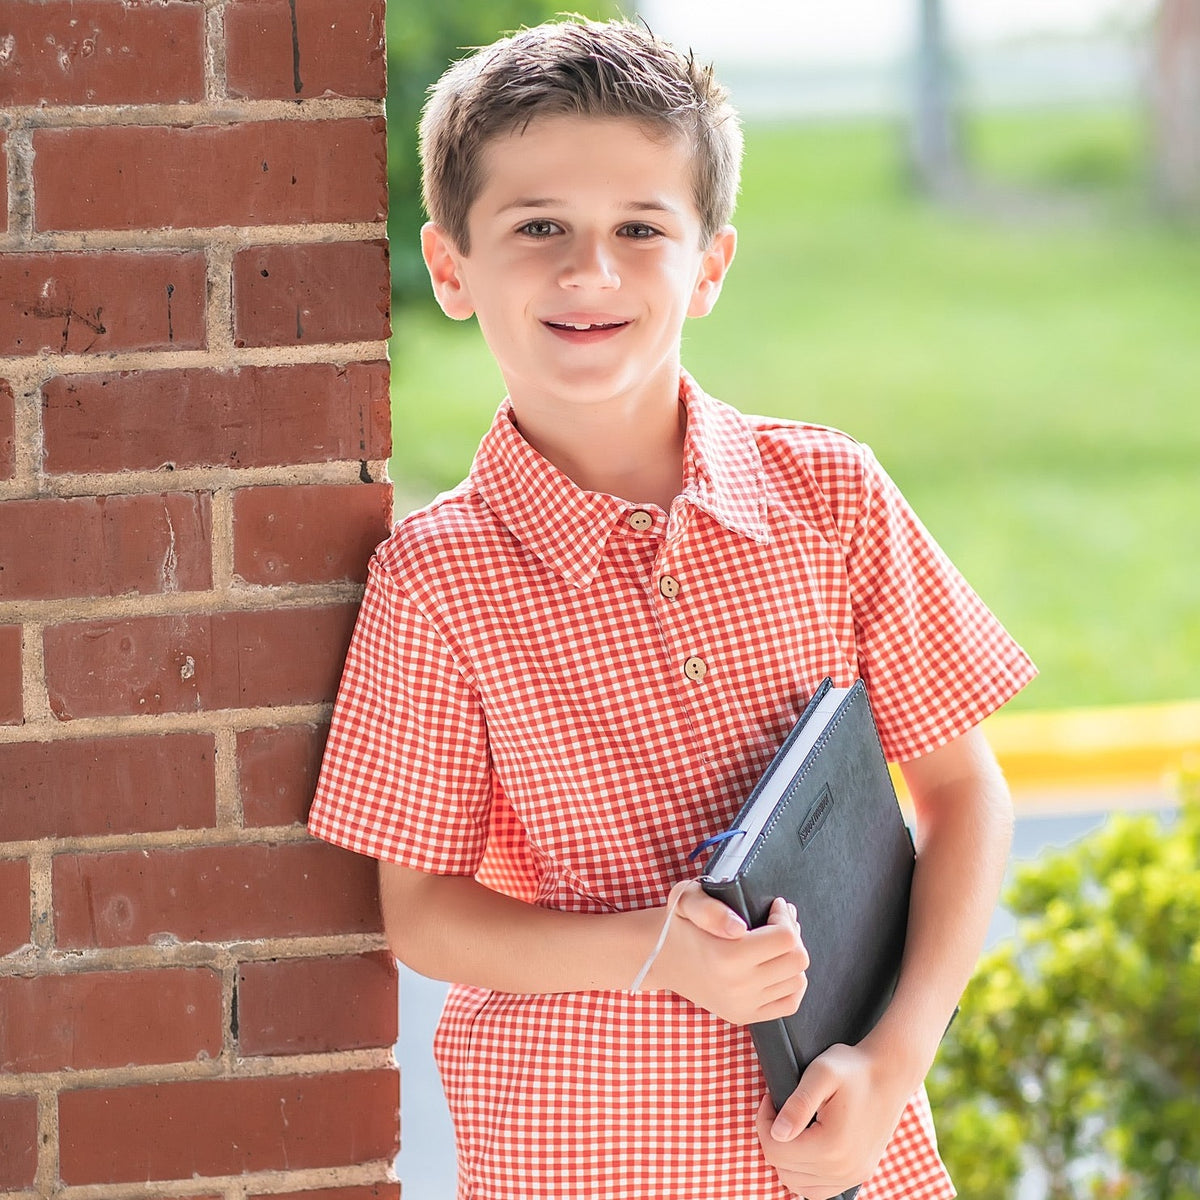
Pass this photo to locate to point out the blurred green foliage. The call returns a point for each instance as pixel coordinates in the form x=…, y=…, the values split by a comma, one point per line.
x=422, y=40
x=1077, y=1050
x=1105, y=154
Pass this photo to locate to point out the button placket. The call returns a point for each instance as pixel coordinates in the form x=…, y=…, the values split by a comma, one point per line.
x=695, y=668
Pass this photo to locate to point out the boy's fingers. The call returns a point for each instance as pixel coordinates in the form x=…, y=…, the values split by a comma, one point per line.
x=783, y=912
x=790, y=989
x=777, y=1010
x=714, y=917
x=783, y=916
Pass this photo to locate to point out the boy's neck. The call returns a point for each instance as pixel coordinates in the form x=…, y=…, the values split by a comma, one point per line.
x=632, y=449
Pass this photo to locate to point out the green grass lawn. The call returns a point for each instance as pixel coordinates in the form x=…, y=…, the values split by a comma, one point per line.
x=1027, y=367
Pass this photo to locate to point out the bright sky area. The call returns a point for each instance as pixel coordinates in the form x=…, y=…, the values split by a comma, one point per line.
x=858, y=30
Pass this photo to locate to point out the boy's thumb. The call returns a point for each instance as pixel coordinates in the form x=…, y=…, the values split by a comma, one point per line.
x=708, y=913
x=816, y=1087
x=797, y=1114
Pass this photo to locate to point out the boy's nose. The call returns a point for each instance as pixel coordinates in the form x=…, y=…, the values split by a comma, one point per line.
x=589, y=263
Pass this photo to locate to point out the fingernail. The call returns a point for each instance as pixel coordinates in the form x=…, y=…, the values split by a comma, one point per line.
x=782, y=1129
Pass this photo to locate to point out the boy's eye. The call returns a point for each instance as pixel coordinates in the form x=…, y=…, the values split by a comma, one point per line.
x=539, y=227
x=638, y=230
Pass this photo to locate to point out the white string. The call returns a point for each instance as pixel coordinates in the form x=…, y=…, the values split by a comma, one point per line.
x=672, y=902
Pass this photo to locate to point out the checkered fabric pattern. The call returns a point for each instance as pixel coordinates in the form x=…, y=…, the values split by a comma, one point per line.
x=562, y=693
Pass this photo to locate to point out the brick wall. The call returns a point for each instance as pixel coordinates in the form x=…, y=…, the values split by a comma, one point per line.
x=194, y=999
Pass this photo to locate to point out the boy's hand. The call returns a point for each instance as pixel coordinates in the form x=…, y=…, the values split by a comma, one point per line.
x=739, y=974
x=857, y=1103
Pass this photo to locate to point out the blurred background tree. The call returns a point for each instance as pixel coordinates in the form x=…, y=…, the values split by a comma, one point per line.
x=934, y=134
x=1077, y=1051
x=1176, y=103
x=422, y=39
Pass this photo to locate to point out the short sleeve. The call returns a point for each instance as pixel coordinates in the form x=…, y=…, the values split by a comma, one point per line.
x=934, y=658
x=406, y=774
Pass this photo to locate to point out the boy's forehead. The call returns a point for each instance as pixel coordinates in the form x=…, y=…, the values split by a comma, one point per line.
x=553, y=154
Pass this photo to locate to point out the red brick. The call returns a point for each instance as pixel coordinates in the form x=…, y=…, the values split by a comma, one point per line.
x=281, y=51
x=12, y=711
x=317, y=1005
x=375, y=1191
x=196, y=662
x=106, y=301
x=308, y=534
x=110, y=1019
x=202, y=176
x=277, y=772
x=319, y=292
x=3, y=181
x=98, y=52
x=8, y=430
x=253, y=417
x=106, y=786
x=213, y=894
x=15, y=920
x=18, y=1142
x=226, y=1127
x=106, y=546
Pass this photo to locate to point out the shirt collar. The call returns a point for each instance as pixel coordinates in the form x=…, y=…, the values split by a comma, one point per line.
x=568, y=528
x=722, y=466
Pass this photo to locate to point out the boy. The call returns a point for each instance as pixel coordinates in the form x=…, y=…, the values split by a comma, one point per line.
x=570, y=670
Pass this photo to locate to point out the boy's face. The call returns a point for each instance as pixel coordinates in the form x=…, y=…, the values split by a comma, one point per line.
x=585, y=261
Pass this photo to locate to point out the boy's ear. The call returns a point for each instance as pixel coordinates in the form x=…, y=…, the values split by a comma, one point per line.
x=445, y=273
x=713, y=267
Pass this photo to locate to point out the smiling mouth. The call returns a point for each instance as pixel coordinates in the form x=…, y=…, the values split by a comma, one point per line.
x=586, y=326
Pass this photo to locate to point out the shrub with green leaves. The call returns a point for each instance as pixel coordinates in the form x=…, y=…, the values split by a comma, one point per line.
x=1077, y=1051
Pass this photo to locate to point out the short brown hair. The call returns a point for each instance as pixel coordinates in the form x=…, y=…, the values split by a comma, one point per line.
x=583, y=68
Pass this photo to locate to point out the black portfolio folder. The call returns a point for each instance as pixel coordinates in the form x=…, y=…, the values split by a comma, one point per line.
x=822, y=828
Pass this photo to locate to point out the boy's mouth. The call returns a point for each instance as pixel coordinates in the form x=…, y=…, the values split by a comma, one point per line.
x=585, y=326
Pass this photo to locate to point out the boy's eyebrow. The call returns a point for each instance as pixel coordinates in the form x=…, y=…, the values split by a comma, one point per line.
x=661, y=206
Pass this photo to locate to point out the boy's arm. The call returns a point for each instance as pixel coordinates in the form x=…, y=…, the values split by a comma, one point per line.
x=964, y=830
x=452, y=927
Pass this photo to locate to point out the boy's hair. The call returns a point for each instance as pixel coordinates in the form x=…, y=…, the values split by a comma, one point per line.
x=579, y=68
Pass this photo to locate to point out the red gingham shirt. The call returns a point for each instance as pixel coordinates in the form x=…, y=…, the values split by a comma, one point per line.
x=562, y=693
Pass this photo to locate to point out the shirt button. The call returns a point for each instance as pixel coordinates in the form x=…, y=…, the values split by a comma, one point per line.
x=640, y=520
x=695, y=669
x=668, y=585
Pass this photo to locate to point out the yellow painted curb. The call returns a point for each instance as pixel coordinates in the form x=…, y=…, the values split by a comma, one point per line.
x=1143, y=745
